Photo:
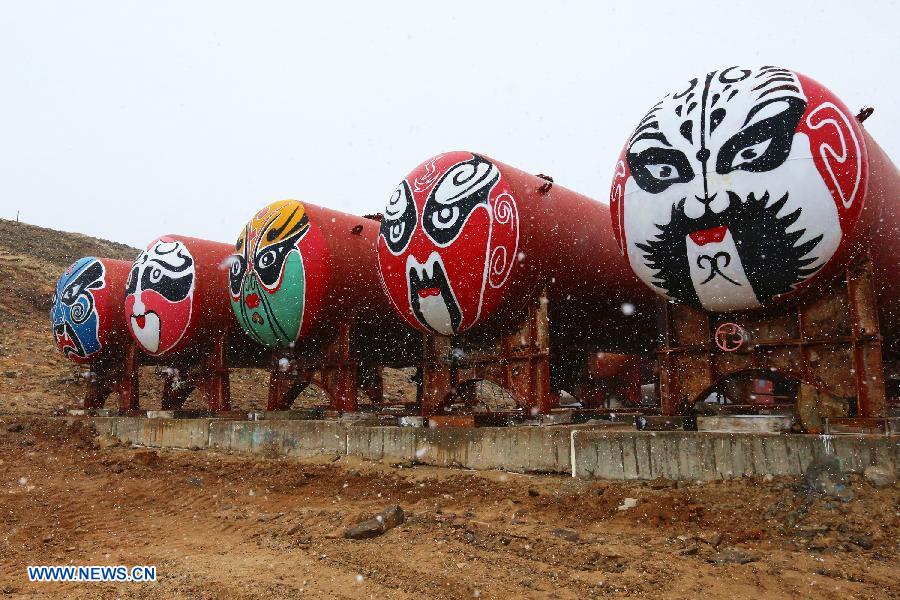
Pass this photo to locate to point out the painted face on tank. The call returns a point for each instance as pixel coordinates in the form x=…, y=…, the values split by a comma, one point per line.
x=448, y=242
x=738, y=188
x=267, y=278
x=160, y=295
x=75, y=309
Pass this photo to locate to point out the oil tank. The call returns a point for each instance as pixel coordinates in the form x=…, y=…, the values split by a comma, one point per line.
x=87, y=310
x=747, y=186
x=299, y=272
x=467, y=241
x=176, y=303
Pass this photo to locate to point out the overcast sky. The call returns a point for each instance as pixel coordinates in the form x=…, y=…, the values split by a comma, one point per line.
x=127, y=120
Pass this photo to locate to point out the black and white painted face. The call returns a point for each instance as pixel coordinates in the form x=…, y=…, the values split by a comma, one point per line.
x=447, y=243
x=160, y=292
x=723, y=206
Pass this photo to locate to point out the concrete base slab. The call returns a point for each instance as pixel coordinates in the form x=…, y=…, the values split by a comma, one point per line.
x=661, y=423
x=305, y=414
x=746, y=424
x=172, y=414
x=368, y=418
x=580, y=451
x=562, y=417
x=610, y=425
x=850, y=425
x=162, y=433
x=301, y=439
x=93, y=412
x=195, y=414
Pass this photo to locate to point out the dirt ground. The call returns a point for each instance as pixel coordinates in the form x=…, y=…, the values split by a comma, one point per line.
x=229, y=526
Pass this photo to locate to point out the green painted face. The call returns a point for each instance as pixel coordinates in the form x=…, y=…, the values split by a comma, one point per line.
x=267, y=275
x=273, y=318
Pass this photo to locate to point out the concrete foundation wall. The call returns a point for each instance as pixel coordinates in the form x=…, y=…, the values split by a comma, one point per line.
x=291, y=438
x=576, y=451
x=537, y=449
x=707, y=456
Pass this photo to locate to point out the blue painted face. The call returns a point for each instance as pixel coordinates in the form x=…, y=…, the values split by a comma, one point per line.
x=76, y=322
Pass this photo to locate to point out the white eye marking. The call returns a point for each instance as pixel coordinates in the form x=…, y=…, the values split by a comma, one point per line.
x=750, y=153
x=663, y=172
x=396, y=205
x=155, y=275
x=463, y=181
x=396, y=232
x=446, y=217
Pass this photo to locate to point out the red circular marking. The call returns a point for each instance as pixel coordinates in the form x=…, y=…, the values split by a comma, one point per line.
x=730, y=337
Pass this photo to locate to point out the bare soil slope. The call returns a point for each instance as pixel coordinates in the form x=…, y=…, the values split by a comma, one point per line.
x=34, y=375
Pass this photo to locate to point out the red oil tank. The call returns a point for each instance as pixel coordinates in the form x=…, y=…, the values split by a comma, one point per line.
x=300, y=271
x=747, y=186
x=87, y=313
x=467, y=241
x=176, y=303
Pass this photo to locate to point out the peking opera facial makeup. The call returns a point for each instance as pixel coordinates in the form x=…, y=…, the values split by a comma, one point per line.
x=160, y=294
x=448, y=242
x=738, y=188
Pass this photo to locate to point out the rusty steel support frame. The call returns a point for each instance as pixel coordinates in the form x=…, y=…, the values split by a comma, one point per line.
x=518, y=362
x=596, y=388
x=334, y=369
x=210, y=375
x=830, y=340
x=122, y=377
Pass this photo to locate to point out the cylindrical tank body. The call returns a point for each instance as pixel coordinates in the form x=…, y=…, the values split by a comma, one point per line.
x=467, y=241
x=87, y=310
x=299, y=271
x=883, y=236
x=746, y=186
x=177, y=301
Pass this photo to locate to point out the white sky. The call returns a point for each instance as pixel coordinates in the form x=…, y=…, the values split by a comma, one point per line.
x=127, y=120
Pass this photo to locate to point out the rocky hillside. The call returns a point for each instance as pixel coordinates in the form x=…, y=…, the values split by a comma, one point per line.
x=34, y=376
x=31, y=258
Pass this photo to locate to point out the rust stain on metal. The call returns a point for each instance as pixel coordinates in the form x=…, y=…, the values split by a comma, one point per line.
x=830, y=340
